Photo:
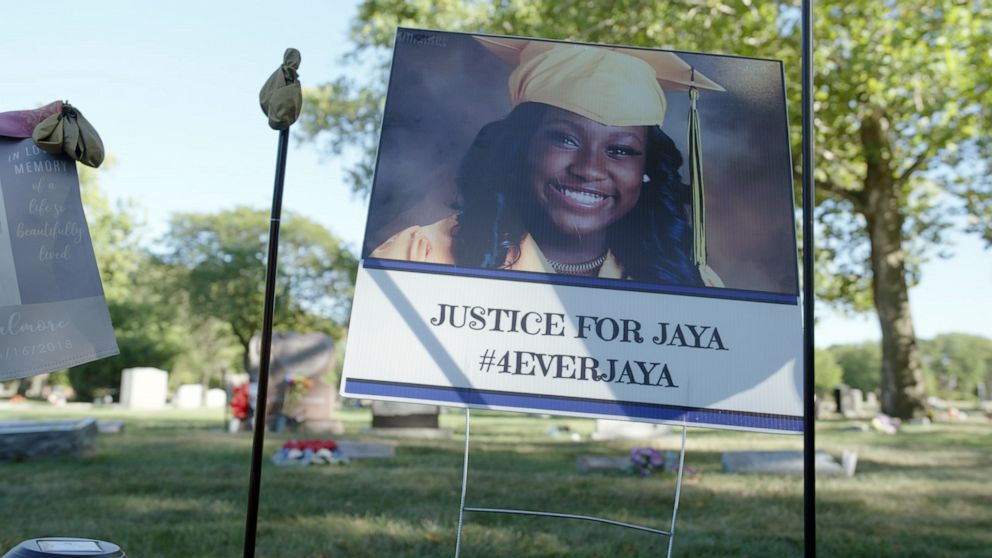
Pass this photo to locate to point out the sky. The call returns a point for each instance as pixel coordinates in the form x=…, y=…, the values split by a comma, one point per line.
x=172, y=89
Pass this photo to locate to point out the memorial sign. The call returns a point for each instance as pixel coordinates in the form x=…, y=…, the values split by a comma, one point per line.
x=553, y=249
x=53, y=313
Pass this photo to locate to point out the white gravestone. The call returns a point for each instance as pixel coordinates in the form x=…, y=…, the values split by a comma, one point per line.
x=626, y=430
x=871, y=401
x=216, y=398
x=144, y=388
x=857, y=402
x=189, y=396
x=852, y=403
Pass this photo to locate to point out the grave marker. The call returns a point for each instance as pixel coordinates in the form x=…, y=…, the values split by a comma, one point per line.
x=144, y=388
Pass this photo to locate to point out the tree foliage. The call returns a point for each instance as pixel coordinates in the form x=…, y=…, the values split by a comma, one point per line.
x=957, y=363
x=222, y=260
x=902, y=94
x=954, y=364
x=146, y=324
x=861, y=363
x=828, y=373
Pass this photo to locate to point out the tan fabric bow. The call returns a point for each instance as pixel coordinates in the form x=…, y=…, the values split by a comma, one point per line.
x=281, y=97
x=67, y=131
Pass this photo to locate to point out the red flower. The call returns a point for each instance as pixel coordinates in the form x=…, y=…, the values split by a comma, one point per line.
x=239, y=402
x=313, y=445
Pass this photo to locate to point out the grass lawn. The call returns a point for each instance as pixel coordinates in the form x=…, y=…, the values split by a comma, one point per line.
x=173, y=484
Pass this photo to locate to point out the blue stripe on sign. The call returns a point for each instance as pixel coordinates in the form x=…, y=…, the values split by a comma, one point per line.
x=552, y=403
x=576, y=281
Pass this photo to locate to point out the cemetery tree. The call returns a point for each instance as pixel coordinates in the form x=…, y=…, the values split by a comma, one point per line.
x=861, y=362
x=222, y=258
x=145, y=321
x=957, y=363
x=901, y=94
x=828, y=373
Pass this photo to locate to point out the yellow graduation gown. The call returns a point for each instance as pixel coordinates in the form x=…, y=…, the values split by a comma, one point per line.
x=432, y=244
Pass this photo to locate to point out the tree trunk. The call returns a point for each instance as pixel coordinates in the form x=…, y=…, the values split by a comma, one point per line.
x=903, y=390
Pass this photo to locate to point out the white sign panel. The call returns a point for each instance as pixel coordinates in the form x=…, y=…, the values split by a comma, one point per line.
x=535, y=236
x=53, y=314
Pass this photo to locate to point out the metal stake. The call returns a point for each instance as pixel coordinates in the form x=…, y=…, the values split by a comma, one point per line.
x=809, y=419
x=678, y=489
x=258, y=438
x=462, y=509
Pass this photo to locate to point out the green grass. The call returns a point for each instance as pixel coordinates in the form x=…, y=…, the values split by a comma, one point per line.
x=173, y=484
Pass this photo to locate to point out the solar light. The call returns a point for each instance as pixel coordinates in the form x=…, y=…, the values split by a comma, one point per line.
x=53, y=547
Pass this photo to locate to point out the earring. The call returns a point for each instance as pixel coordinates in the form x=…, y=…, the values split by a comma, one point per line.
x=645, y=179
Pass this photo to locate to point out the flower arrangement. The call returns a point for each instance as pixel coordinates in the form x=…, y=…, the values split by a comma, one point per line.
x=239, y=402
x=309, y=452
x=645, y=460
x=296, y=386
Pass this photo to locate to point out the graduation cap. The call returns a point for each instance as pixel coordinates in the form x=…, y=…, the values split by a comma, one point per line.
x=613, y=86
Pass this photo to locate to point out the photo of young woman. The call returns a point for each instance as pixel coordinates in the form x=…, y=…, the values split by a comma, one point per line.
x=541, y=238
x=594, y=190
x=578, y=179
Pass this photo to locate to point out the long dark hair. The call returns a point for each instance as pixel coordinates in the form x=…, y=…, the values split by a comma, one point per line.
x=653, y=242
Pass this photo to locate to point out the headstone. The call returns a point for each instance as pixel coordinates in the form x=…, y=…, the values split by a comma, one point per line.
x=627, y=430
x=849, y=462
x=853, y=403
x=871, y=401
x=189, y=396
x=35, y=385
x=29, y=439
x=366, y=450
x=144, y=388
x=300, y=355
x=314, y=411
x=390, y=414
x=856, y=427
x=406, y=420
x=216, y=398
x=109, y=426
x=840, y=393
x=777, y=463
x=586, y=463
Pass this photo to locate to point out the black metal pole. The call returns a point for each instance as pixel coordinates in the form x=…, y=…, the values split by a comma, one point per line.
x=809, y=416
x=258, y=435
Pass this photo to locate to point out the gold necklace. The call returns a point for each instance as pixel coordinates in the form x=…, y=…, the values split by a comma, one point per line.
x=583, y=268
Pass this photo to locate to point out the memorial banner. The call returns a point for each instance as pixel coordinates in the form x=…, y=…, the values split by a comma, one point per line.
x=582, y=230
x=53, y=314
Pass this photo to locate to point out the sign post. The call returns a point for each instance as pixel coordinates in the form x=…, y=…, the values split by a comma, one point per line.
x=539, y=238
x=536, y=258
x=809, y=292
x=281, y=100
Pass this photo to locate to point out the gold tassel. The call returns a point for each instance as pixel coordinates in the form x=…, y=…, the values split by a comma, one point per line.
x=696, y=182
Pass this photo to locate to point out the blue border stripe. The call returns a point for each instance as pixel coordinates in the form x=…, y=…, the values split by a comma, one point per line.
x=488, y=398
x=598, y=282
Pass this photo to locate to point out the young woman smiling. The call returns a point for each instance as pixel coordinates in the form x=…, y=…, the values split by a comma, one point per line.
x=578, y=179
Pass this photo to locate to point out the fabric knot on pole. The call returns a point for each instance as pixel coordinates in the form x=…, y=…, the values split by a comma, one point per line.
x=281, y=97
x=67, y=131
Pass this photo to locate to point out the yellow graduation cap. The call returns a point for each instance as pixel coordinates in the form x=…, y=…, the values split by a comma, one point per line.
x=613, y=86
